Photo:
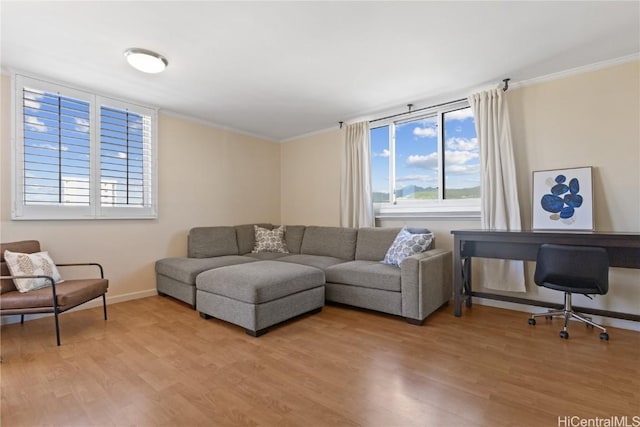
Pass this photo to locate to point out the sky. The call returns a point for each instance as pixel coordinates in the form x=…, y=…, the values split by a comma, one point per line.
x=416, y=149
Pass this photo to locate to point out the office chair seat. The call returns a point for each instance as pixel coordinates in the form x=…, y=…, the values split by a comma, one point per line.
x=572, y=270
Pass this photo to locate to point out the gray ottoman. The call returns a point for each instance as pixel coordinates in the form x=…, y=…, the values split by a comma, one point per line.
x=259, y=294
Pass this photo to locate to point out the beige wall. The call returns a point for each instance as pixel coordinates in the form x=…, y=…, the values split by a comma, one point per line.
x=207, y=176
x=590, y=119
x=310, y=180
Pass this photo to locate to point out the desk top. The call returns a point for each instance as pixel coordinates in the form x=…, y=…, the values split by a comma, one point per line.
x=602, y=238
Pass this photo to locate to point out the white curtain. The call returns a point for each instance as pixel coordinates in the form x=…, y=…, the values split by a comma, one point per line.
x=356, y=206
x=500, y=209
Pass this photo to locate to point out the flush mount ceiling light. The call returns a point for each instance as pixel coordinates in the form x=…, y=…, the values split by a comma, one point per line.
x=145, y=60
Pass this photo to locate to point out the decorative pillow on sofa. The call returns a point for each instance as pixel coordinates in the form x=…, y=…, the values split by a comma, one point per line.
x=39, y=263
x=407, y=244
x=270, y=240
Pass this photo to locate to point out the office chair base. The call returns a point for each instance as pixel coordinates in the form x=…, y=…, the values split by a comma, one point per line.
x=567, y=313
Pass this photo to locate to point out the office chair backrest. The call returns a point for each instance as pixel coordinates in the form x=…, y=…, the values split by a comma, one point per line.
x=578, y=269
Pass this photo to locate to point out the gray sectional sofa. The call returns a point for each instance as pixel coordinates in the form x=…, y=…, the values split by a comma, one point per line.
x=222, y=278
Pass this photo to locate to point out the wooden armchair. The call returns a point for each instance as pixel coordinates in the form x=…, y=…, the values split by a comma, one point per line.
x=56, y=298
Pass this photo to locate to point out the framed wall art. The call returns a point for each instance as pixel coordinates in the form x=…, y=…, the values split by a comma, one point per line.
x=562, y=199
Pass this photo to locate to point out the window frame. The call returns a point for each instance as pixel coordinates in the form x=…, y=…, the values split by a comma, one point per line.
x=22, y=211
x=440, y=208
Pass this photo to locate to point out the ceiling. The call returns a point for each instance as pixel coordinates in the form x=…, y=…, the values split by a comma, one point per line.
x=283, y=69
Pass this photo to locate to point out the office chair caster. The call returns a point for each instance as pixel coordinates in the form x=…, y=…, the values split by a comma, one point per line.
x=532, y=322
x=564, y=335
x=604, y=336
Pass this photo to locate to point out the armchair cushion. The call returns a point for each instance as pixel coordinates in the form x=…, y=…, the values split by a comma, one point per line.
x=69, y=294
x=33, y=264
x=24, y=246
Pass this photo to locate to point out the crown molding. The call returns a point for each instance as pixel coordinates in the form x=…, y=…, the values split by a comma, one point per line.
x=210, y=123
x=577, y=70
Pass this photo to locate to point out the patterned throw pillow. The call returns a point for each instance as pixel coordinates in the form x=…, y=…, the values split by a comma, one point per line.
x=39, y=263
x=270, y=240
x=405, y=245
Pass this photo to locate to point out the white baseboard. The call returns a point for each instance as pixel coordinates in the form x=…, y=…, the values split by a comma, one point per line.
x=605, y=321
x=91, y=304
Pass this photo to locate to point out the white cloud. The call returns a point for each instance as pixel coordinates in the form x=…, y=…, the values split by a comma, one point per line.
x=429, y=161
x=35, y=124
x=458, y=157
x=384, y=153
x=462, y=144
x=462, y=169
x=81, y=124
x=122, y=155
x=463, y=114
x=427, y=132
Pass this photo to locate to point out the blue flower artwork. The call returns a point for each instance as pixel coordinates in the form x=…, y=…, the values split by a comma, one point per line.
x=562, y=197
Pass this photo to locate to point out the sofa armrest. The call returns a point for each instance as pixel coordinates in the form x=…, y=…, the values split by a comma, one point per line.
x=426, y=283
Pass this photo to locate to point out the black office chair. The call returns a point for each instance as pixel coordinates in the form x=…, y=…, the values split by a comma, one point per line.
x=572, y=270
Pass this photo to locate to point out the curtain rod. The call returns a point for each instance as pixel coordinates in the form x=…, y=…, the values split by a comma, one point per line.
x=504, y=89
x=415, y=111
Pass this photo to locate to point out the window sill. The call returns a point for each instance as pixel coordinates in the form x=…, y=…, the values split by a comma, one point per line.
x=441, y=212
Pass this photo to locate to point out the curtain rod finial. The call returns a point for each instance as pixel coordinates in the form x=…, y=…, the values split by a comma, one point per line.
x=341, y=123
x=506, y=84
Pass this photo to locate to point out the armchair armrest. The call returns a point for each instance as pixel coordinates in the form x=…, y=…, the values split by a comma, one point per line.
x=76, y=264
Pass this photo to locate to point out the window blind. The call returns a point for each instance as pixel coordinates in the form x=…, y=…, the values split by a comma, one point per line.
x=56, y=160
x=79, y=155
x=124, y=156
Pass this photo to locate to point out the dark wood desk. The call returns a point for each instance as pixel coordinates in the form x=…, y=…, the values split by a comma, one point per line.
x=623, y=250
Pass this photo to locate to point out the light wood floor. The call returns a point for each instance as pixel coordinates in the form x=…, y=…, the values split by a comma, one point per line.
x=156, y=362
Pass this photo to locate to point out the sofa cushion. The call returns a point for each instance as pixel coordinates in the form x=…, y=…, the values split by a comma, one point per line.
x=186, y=269
x=207, y=242
x=367, y=274
x=260, y=282
x=270, y=240
x=317, y=261
x=337, y=242
x=245, y=236
x=266, y=256
x=293, y=235
x=373, y=243
x=405, y=245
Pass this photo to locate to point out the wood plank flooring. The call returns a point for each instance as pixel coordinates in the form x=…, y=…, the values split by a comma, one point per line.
x=156, y=362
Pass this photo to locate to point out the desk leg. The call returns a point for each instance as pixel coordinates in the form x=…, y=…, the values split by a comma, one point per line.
x=466, y=279
x=457, y=278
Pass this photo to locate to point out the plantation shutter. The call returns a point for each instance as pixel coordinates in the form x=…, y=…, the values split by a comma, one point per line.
x=126, y=159
x=81, y=156
x=56, y=160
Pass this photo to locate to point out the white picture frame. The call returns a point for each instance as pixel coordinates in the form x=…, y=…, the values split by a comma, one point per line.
x=563, y=199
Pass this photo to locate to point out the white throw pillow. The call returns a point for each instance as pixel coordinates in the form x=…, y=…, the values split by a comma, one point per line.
x=405, y=245
x=270, y=240
x=39, y=263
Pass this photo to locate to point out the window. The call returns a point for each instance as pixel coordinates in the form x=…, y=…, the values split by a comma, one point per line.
x=80, y=155
x=426, y=162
